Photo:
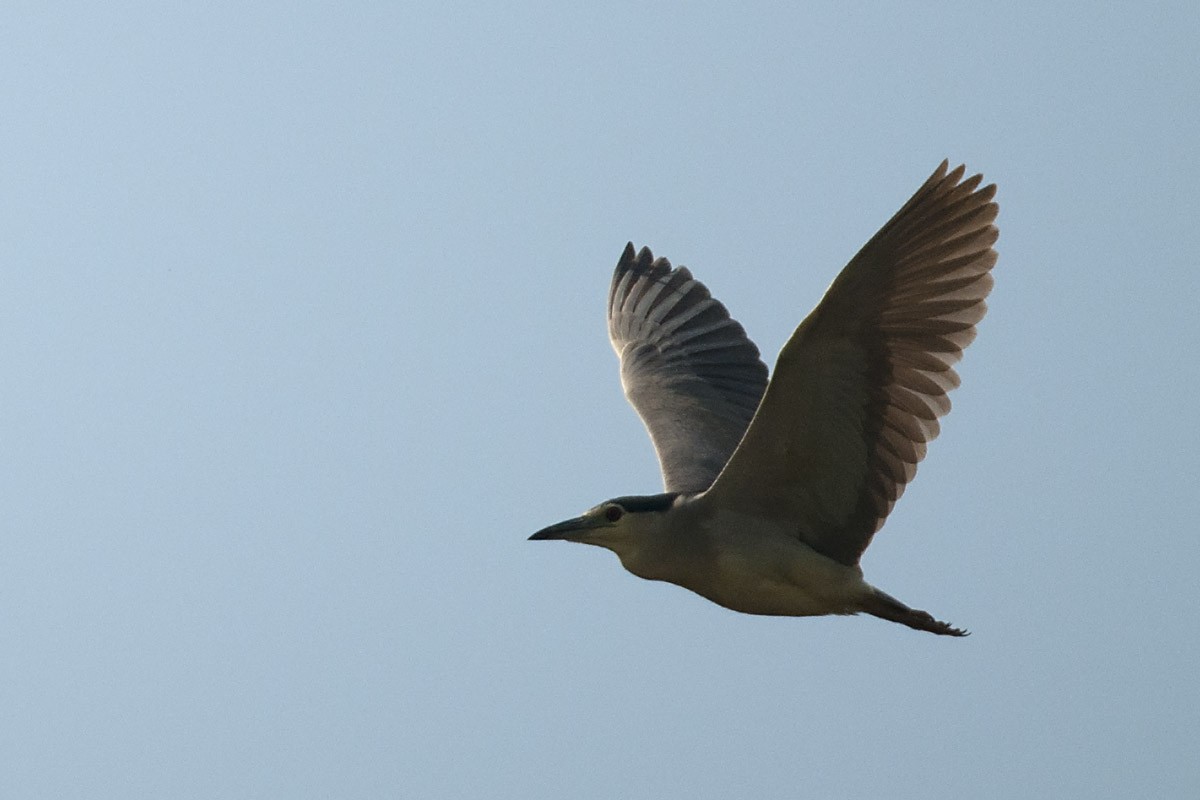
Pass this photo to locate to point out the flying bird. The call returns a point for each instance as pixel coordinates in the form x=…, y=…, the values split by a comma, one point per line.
x=773, y=489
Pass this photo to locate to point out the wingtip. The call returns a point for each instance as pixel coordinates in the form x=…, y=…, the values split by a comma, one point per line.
x=633, y=255
x=641, y=261
x=955, y=177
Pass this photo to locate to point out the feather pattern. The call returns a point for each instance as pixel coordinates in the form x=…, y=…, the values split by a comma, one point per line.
x=688, y=369
x=859, y=388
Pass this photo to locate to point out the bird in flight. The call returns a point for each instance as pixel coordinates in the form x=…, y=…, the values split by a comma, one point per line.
x=773, y=489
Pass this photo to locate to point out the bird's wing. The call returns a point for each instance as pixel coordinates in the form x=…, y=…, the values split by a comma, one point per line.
x=687, y=368
x=859, y=387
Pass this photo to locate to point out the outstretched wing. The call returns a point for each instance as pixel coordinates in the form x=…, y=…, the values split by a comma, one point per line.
x=859, y=387
x=687, y=368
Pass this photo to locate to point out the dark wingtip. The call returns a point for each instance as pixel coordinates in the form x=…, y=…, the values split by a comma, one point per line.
x=641, y=261
x=634, y=259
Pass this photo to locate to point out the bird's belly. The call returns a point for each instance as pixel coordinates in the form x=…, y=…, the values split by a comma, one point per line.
x=779, y=576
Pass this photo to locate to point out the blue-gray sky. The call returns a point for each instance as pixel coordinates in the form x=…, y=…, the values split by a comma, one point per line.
x=301, y=335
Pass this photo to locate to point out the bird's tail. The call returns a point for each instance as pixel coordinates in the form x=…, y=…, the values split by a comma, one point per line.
x=884, y=606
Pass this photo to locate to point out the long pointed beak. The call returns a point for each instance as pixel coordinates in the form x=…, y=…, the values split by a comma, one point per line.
x=570, y=529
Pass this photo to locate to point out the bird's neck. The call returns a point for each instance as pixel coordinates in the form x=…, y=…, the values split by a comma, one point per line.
x=665, y=547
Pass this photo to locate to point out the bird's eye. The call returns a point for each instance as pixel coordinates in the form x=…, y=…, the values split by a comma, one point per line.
x=613, y=513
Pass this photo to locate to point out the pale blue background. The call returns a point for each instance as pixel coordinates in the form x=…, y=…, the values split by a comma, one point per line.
x=301, y=335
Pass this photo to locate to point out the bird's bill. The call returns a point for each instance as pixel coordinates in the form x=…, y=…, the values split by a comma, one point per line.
x=571, y=529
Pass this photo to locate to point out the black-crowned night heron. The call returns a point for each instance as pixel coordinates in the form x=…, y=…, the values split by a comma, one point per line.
x=774, y=489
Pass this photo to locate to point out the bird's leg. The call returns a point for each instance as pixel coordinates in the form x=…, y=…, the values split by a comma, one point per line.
x=883, y=605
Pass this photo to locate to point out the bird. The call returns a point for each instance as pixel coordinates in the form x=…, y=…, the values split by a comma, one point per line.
x=774, y=488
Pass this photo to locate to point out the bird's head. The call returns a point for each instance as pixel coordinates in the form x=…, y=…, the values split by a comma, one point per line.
x=621, y=524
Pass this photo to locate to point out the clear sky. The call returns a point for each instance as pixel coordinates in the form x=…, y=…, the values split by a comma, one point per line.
x=302, y=335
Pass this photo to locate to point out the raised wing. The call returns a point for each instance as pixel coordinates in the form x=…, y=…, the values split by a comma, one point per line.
x=687, y=368
x=859, y=387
